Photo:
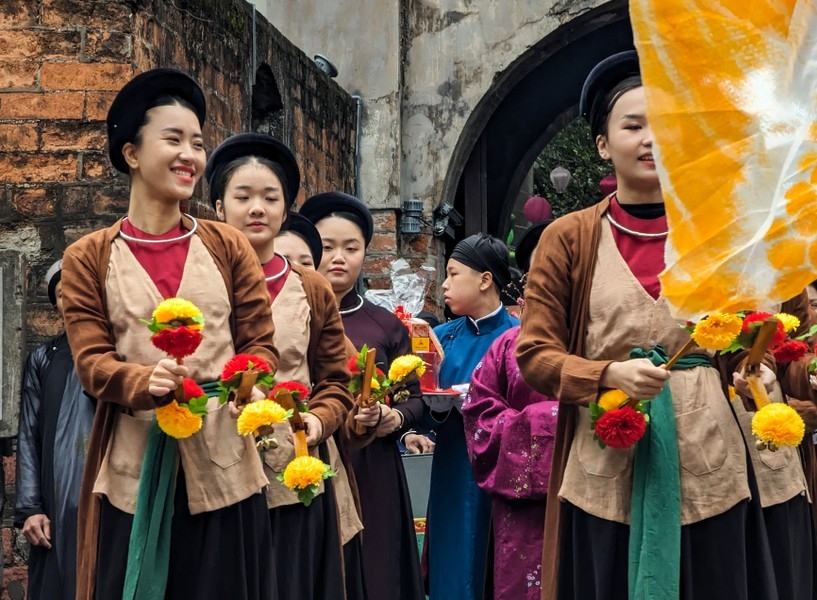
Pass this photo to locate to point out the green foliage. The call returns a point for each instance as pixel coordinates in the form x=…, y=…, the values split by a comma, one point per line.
x=574, y=149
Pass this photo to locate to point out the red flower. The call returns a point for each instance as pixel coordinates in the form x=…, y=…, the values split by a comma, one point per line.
x=244, y=362
x=192, y=389
x=753, y=321
x=298, y=390
x=621, y=427
x=790, y=351
x=352, y=366
x=379, y=372
x=178, y=342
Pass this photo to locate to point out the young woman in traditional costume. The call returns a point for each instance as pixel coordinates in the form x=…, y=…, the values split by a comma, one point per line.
x=391, y=563
x=509, y=431
x=457, y=528
x=299, y=242
x=681, y=512
x=253, y=180
x=214, y=541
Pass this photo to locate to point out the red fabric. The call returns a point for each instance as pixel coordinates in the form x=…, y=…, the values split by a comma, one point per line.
x=164, y=263
x=273, y=267
x=644, y=256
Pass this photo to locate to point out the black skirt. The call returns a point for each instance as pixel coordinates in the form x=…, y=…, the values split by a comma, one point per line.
x=225, y=553
x=792, y=543
x=308, y=548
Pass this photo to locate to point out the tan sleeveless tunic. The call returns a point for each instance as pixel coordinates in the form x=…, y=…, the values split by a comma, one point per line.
x=220, y=467
x=711, y=450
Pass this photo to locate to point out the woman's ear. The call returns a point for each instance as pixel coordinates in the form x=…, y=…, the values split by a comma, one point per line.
x=220, y=210
x=601, y=146
x=129, y=152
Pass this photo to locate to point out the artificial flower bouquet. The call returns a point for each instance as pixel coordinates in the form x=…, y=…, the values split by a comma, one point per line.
x=617, y=421
x=383, y=386
x=774, y=424
x=240, y=374
x=176, y=325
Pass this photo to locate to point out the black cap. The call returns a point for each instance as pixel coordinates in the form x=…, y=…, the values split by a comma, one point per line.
x=304, y=229
x=321, y=206
x=52, y=278
x=253, y=144
x=127, y=112
x=603, y=78
x=527, y=244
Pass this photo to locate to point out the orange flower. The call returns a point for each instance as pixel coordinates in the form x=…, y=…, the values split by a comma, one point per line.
x=177, y=421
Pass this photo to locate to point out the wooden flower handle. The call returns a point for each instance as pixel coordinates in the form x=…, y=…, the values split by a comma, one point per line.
x=243, y=392
x=285, y=399
x=365, y=398
x=751, y=366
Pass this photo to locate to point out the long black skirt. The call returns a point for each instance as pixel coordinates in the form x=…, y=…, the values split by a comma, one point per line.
x=792, y=543
x=725, y=556
x=308, y=548
x=225, y=553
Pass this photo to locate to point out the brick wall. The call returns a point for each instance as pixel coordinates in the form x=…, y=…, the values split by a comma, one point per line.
x=61, y=62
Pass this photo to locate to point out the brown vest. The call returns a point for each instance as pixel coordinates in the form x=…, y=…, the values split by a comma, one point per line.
x=220, y=467
x=710, y=445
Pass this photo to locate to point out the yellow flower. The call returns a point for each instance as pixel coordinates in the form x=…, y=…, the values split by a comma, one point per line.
x=303, y=472
x=779, y=424
x=260, y=413
x=612, y=399
x=732, y=394
x=178, y=309
x=403, y=366
x=790, y=322
x=375, y=384
x=177, y=421
x=717, y=331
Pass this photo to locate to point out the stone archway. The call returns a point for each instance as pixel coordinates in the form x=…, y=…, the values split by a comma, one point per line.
x=533, y=100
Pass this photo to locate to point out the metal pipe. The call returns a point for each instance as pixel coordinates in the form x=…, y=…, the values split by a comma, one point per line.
x=254, y=50
x=358, y=119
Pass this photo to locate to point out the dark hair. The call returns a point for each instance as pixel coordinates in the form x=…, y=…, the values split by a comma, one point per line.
x=599, y=121
x=219, y=184
x=813, y=284
x=163, y=100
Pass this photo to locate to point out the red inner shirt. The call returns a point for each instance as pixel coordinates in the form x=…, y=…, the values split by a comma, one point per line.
x=644, y=256
x=165, y=262
x=272, y=268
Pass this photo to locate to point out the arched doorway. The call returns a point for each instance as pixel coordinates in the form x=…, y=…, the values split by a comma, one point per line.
x=536, y=97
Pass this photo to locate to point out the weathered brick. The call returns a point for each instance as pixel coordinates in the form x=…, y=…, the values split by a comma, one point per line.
x=84, y=76
x=378, y=265
x=97, y=105
x=15, y=582
x=34, y=202
x=40, y=43
x=384, y=220
x=73, y=135
x=9, y=466
x=18, y=73
x=29, y=105
x=18, y=13
x=383, y=242
x=75, y=201
x=96, y=166
x=18, y=136
x=104, y=14
x=110, y=202
x=419, y=243
x=18, y=167
x=8, y=555
x=107, y=46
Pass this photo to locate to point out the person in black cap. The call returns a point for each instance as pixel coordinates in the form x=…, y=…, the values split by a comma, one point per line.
x=391, y=565
x=595, y=321
x=212, y=499
x=253, y=180
x=55, y=421
x=477, y=270
x=299, y=242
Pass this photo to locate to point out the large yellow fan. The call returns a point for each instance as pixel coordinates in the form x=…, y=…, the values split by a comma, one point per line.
x=732, y=100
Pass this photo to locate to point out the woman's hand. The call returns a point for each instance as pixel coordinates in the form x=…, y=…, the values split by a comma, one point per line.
x=369, y=416
x=417, y=443
x=314, y=428
x=638, y=378
x=390, y=421
x=37, y=530
x=167, y=376
x=767, y=378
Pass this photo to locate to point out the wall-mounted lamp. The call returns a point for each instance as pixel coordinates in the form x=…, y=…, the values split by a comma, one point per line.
x=412, y=216
x=446, y=218
x=325, y=65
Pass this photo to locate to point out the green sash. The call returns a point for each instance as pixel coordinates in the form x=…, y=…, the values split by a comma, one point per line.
x=655, y=511
x=149, y=547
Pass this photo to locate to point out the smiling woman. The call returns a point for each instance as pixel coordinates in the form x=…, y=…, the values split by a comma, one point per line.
x=113, y=278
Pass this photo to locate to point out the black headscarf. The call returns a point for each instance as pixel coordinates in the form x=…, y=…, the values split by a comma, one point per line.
x=485, y=253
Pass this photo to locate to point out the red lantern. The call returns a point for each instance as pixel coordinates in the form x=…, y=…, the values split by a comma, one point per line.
x=537, y=209
x=608, y=185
